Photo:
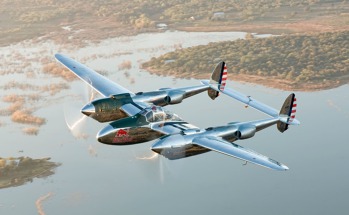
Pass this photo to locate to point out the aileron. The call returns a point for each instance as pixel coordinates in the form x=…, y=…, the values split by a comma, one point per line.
x=237, y=151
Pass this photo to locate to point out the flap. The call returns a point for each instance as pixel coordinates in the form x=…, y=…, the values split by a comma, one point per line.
x=234, y=150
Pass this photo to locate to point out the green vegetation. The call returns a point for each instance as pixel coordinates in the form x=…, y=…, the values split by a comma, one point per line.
x=301, y=60
x=181, y=10
x=23, y=19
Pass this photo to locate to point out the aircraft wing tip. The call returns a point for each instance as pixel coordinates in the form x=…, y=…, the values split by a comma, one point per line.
x=284, y=167
x=59, y=56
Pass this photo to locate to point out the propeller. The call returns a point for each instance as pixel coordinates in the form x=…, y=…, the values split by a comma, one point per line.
x=153, y=165
x=169, y=168
x=158, y=166
x=75, y=120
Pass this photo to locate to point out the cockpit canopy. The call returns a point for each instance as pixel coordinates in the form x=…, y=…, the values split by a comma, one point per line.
x=158, y=114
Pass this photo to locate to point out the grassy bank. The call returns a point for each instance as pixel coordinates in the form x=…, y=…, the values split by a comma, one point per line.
x=303, y=62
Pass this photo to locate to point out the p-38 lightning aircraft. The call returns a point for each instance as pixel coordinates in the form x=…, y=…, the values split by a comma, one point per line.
x=140, y=117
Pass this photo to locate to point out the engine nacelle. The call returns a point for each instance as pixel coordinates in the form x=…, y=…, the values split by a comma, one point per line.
x=107, y=109
x=174, y=97
x=245, y=132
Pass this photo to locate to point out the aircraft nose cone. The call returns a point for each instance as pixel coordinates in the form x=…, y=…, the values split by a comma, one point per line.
x=104, y=133
x=157, y=147
x=88, y=109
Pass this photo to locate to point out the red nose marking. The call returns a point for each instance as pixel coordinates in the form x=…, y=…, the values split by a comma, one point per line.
x=121, y=133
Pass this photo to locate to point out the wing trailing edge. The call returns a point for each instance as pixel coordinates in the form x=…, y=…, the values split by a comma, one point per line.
x=234, y=150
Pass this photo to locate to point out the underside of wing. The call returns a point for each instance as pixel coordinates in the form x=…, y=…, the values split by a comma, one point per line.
x=234, y=150
x=100, y=83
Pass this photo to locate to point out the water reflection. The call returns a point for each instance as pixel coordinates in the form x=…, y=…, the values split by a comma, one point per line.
x=18, y=171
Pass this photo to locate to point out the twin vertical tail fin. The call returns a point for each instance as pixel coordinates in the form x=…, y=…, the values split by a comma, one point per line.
x=288, y=113
x=218, y=77
x=286, y=116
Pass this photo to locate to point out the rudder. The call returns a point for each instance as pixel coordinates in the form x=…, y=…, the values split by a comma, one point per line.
x=219, y=77
x=288, y=109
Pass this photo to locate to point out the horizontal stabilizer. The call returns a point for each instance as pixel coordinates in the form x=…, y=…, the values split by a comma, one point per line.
x=286, y=115
x=248, y=100
x=234, y=150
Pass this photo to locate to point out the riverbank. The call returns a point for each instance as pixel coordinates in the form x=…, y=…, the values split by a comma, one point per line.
x=274, y=82
x=304, y=62
x=312, y=26
x=83, y=32
x=270, y=81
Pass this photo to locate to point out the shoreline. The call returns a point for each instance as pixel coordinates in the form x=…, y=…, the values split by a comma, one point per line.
x=316, y=25
x=284, y=28
x=271, y=82
x=79, y=33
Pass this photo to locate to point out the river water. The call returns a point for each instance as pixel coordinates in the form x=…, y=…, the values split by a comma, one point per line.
x=102, y=179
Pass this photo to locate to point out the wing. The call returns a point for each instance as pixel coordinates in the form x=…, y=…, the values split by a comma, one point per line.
x=173, y=127
x=234, y=150
x=100, y=83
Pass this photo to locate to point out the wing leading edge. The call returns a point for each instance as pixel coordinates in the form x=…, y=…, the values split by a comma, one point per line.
x=234, y=150
x=100, y=83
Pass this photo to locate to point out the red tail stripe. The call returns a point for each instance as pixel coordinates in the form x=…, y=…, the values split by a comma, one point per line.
x=293, y=111
x=294, y=105
x=224, y=78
